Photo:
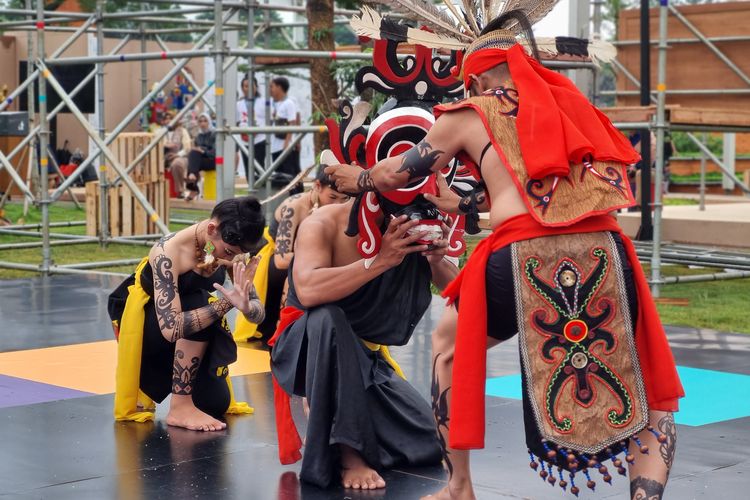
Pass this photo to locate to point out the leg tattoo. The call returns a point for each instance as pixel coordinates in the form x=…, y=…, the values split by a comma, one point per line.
x=667, y=448
x=440, y=409
x=642, y=488
x=184, y=376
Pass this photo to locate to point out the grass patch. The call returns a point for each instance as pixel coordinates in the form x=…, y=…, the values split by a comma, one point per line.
x=679, y=201
x=719, y=305
x=70, y=254
x=711, y=177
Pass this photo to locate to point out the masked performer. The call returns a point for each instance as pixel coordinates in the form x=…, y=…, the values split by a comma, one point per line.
x=598, y=375
x=275, y=256
x=172, y=336
x=359, y=282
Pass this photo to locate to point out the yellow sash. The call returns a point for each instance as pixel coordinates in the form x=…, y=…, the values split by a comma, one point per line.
x=129, y=351
x=387, y=356
x=243, y=329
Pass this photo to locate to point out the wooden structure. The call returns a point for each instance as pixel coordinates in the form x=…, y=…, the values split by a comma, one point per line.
x=682, y=117
x=126, y=216
x=691, y=65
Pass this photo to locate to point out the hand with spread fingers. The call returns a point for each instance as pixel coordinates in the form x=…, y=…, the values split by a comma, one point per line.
x=240, y=295
x=397, y=244
x=350, y=179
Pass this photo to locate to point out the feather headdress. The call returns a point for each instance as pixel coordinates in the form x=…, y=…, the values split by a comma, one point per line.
x=458, y=26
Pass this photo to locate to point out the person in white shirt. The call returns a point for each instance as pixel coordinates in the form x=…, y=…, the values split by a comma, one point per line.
x=284, y=113
x=259, y=109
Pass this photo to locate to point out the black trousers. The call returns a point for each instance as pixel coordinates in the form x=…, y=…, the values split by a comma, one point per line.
x=259, y=150
x=197, y=161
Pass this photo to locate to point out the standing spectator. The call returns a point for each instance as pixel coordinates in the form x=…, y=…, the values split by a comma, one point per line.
x=284, y=113
x=176, y=149
x=259, y=110
x=202, y=156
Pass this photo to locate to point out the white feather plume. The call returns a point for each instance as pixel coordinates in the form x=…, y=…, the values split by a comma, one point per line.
x=428, y=14
x=372, y=25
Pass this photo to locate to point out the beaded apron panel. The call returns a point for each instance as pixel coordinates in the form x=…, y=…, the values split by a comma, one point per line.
x=584, y=381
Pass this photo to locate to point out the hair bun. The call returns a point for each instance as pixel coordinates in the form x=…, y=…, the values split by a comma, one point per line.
x=249, y=205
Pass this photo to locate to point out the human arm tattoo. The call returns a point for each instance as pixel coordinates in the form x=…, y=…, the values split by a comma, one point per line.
x=419, y=160
x=440, y=409
x=642, y=488
x=365, y=182
x=164, y=239
x=257, y=312
x=175, y=323
x=667, y=448
x=284, y=235
x=183, y=375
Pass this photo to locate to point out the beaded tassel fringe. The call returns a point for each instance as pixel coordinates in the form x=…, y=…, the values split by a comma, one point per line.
x=580, y=462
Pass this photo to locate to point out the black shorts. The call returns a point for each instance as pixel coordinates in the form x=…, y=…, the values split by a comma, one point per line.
x=502, y=321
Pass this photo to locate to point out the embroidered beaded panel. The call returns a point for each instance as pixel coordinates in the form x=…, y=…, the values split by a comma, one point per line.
x=576, y=341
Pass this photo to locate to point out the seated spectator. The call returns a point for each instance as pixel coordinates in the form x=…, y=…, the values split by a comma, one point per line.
x=176, y=149
x=203, y=155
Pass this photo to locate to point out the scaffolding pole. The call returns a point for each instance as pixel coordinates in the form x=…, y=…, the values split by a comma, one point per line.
x=223, y=191
x=660, y=125
x=103, y=182
x=250, y=98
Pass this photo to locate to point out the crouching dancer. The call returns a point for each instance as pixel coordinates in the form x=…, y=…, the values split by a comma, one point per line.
x=172, y=336
x=331, y=347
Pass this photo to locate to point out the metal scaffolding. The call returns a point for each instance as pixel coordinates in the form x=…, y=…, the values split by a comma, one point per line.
x=35, y=20
x=661, y=126
x=149, y=26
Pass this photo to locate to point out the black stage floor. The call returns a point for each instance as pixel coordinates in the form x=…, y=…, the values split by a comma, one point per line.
x=71, y=448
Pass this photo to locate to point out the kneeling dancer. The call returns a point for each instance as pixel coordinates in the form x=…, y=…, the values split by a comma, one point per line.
x=342, y=311
x=172, y=336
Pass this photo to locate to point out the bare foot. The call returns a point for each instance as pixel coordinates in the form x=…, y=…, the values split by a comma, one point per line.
x=183, y=413
x=463, y=491
x=305, y=407
x=356, y=474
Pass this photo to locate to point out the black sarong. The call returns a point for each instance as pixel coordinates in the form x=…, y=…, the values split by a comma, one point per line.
x=355, y=396
x=211, y=393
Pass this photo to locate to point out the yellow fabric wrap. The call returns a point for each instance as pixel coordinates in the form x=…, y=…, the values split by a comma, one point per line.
x=128, y=396
x=243, y=329
x=129, y=349
x=387, y=356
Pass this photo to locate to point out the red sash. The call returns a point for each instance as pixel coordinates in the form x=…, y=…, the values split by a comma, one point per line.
x=286, y=431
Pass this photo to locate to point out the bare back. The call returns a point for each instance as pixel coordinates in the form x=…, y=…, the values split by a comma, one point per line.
x=505, y=200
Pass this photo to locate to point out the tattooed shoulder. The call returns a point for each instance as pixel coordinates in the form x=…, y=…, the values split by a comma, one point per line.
x=164, y=239
x=284, y=232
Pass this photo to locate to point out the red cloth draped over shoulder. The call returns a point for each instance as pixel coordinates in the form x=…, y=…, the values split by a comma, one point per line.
x=286, y=432
x=661, y=381
x=557, y=125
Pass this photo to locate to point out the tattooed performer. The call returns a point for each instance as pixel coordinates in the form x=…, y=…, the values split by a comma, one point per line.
x=270, y=279
x=342, y=311
x=598, y=374
x=173, y=338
